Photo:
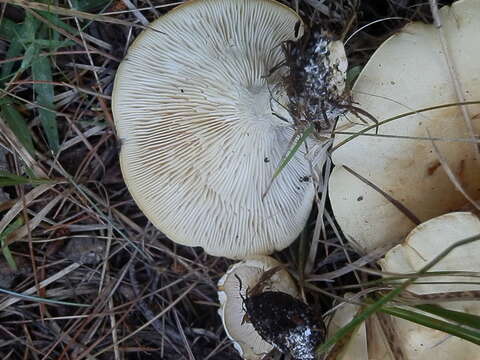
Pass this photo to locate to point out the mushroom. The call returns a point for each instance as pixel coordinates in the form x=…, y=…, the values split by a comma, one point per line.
x=204, y=125
x=355, y=346
x=232, y=290
x=367, y=342
x=421, y=246
x=409, y=72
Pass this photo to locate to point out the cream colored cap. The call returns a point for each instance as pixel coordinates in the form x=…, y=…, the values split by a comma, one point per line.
x=409, y=72
x=421, y=246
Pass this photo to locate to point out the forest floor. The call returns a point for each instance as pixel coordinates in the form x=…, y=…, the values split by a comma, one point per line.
x=69, y=229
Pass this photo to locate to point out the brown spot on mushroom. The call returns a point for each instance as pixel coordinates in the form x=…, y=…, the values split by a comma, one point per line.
x=461, y=169
x=432, y=168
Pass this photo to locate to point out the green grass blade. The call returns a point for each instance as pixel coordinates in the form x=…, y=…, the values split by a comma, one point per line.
x=16, y=123
x=29, y=39
x=8, y=28
x=30, y=27
x=41, y=71
x=356, y=322
x=308, y=131
x=409, y=113
x=52, y=45
x=433, y=323
x=15, y=49
x=376, y=306
x=21, y=37
x=352, y=75
x=8, y=256
x=30, y=54
x=89, y=5
x=9, y=179
x=6, y=251
x=459, y=317
x=40, y=299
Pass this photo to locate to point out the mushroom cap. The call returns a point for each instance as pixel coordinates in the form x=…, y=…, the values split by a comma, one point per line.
x=421, y=246
x=245, y=338
x=356, y=347
x=193, y=104
x=406, y=73
x=368, y=342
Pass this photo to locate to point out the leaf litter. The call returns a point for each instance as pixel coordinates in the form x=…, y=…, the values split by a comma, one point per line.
x=154, y=299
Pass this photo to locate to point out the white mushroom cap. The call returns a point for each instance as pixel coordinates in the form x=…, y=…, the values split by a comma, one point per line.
x=192, y=106
x=406, y=73
x=245, y=339
x=421, y=246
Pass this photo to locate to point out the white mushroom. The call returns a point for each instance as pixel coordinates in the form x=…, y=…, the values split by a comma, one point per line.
x=196, y=111
x=409, y=72
x=231, y=293
x=421, y=246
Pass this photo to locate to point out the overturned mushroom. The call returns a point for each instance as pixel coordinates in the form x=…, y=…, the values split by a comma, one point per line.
x=233, y=287
x=204, y=123
x=409, y=72
x=260, y=311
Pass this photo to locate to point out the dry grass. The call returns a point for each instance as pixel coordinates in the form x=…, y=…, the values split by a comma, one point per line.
x=72, y=229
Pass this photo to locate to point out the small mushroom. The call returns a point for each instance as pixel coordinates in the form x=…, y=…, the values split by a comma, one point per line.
x=204, y=126
x=409, y=72
x=422, y=245
x=232, y=290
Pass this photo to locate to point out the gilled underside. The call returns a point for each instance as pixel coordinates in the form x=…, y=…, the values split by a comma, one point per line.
x=200, y=144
